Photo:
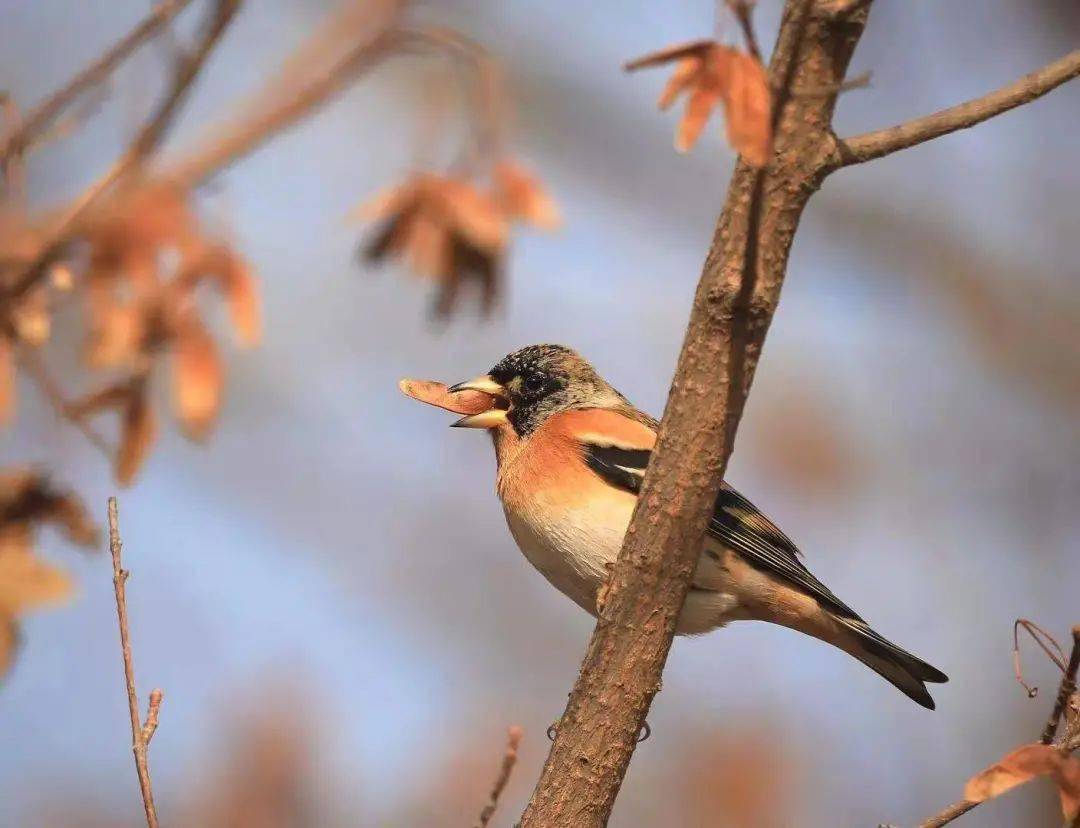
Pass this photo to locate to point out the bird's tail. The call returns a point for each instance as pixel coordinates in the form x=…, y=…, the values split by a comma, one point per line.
x=897, y=666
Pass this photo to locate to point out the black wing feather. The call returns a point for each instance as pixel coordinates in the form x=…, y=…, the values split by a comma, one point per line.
x=736, y=522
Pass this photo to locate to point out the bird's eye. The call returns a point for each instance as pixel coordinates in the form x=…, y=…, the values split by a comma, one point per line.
x=534, y=382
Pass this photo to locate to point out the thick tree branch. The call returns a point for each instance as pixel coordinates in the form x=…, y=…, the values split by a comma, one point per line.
x=141, y=734
x=883, y=142
x=734, y=303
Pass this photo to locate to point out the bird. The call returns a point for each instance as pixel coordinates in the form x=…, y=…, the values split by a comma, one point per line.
x=571, y=454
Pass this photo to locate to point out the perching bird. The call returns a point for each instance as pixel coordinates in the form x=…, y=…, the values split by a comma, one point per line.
x=572, y=453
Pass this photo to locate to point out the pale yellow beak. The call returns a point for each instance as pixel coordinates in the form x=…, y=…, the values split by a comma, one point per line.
x=492, y=418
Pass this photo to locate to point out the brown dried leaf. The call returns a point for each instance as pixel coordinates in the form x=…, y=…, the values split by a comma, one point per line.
x=445, y=229
x=9, y=644
x=1023, y=765
x=27, y=582
x=709, y=74
x=7, y=381
x=242, y=297
x=27, y=498
x=198, y=377
x=30, y=317
x=748, y=106
x=522, y=196
x=436, y=394
x=138, y=431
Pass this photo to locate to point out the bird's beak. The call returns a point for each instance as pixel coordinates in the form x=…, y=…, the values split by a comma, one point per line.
x=493, y=417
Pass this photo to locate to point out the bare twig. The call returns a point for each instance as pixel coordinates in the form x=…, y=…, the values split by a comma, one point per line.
x=513, y=742
x=883, y=142
x=45, y=113
x=946, y=816
x=147, y=139
x=140, y=734
x=1065, y=690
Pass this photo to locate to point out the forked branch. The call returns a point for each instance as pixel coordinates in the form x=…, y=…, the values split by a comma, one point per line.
x=884, y=142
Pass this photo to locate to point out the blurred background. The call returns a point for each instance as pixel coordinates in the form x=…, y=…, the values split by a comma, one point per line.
x=327, y=591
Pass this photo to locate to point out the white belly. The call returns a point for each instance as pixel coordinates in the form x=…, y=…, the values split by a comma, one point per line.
x=571, y=551
x=574, y=549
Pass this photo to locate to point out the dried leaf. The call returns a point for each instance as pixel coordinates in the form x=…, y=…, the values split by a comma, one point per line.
x=7, y=381
x=9, y=644
x=242, y=296
x=710, y=74
x=27, y=498
x=436, y=394
x=748, y=106
x=445, y=229
x=137, y=436
x=1024, y=764
x=27, y=582
x=523, y=197
x=198, y=377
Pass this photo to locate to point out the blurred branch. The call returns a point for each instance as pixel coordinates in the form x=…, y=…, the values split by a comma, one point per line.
x=145, y=142
x=884, y=142
x=39, y=372
x=283, y=103
x=22, y=136
x=513, y=742
x=733, y=307
x=141, y=734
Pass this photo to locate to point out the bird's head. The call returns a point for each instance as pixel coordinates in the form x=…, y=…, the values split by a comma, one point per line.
x=535, y=382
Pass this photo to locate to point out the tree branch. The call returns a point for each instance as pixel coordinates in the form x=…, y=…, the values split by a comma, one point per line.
x=1065, y=690
x=45, y=113
x=147, y=139
x=883, y=142
x=510, y=757
x=733, y=306
x=282, y=102
x=141, y=734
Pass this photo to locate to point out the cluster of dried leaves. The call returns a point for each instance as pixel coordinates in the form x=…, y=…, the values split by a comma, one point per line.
x=452, y=230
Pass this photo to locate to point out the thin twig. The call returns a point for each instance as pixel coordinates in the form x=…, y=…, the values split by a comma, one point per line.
x=39, y=372
x=1065, y=690
x=946, y=816
x=148, y=138
x=44, y=114
x=513, y=741
x=883, y=142
x=1047, y=643
x=140, y=734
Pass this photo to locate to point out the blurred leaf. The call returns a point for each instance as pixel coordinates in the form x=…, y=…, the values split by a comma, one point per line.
x=1024, y=764
x=137, y=435
x=524, y=197
x=198, y=377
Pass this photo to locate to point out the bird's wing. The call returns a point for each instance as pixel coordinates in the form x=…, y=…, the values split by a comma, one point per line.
x=736, y=522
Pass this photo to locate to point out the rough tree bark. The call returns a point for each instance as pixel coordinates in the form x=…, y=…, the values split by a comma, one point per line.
x=734, y=304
